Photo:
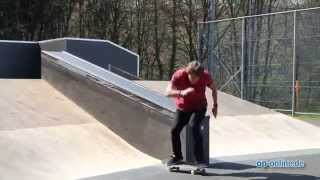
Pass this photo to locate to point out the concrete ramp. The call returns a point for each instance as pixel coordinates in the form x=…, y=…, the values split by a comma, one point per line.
x=44, y=135
x=244, y=128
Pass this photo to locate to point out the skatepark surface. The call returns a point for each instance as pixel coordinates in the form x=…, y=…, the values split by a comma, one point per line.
x=44, y=135
x=244, y=128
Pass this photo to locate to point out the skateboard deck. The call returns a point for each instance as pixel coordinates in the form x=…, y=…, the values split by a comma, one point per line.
x=187, y=168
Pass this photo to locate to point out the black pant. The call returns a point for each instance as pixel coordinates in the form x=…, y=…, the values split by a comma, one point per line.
x=181, y=120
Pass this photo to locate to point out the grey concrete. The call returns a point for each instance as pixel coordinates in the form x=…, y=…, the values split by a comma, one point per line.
x=20, y=60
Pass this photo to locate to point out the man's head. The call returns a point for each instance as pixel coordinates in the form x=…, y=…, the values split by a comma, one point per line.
x=194, y=70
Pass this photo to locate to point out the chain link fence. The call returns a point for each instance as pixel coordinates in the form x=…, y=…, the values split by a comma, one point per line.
x=270, y=59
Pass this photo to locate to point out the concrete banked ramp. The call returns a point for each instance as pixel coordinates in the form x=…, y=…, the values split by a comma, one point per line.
x=244, y=128
x=44, y=135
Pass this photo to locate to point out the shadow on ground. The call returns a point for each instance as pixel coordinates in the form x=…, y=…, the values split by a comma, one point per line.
x=217, y=171
x=264, y=176
x=230, y=166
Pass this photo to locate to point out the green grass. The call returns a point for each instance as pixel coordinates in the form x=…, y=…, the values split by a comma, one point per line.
x=307, y=117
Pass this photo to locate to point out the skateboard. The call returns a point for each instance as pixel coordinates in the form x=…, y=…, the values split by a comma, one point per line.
x=188, y=168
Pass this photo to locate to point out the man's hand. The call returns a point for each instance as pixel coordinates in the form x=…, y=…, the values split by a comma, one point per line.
x=215, y=110
x=186, y=91
x=214, y=98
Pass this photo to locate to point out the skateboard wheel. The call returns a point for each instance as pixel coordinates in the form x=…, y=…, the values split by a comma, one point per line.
x=172, y=169
x=201, y=171
x=193, y=172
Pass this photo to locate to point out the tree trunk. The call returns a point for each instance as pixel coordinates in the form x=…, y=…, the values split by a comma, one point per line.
x=156, y=37
x=174, y=39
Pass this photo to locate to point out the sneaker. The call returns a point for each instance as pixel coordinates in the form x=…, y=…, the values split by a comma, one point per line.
x=174, y=161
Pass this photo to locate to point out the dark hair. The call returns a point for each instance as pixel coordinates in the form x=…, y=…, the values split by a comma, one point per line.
x=195, y=68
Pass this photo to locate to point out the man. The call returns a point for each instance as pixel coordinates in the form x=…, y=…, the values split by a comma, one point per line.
x=188, y=87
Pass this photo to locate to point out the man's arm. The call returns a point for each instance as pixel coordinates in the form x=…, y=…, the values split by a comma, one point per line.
x=212, y=86
x=171, y=91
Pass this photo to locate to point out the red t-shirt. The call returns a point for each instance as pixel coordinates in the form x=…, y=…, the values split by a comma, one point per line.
x=195, y=100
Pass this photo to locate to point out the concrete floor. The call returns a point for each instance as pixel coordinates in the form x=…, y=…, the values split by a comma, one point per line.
x=313, y=122
x=235, y=170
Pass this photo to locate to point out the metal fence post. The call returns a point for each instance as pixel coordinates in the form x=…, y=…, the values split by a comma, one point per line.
x=294, y=64
x=242, y=57
x=211, y=36
x=198, y=43
x=211, y=40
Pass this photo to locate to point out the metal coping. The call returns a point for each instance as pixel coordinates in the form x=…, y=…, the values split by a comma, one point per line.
x=113, y=78
x=93, y=40
x=22, y=42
